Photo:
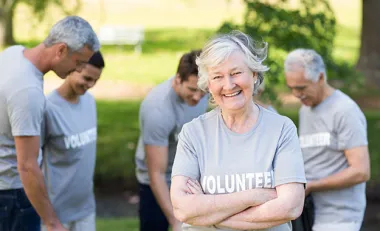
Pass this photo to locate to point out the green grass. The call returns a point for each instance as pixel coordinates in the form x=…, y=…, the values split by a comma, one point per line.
x=117, y=224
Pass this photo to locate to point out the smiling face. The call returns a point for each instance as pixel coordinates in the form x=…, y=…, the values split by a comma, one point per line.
x=65, y=62
x=188, y=90
x=81, y=81
x=231, y=83
x=308, y=92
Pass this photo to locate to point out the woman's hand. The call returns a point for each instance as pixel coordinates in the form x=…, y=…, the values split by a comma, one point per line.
x=194, y=187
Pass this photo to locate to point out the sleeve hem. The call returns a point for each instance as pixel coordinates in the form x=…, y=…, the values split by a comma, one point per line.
x=190, y=175
x=354, y=146
x=166, y=144
x=26, y=133
x=290, y=180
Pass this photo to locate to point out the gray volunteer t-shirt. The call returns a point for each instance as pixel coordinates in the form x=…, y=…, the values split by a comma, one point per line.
x=223, y=161
x=22, y=103
x=69, y=151
x=162, y=115
x=335, y=125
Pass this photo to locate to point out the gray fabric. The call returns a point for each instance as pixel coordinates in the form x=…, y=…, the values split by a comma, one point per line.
x=69, y=150
x=162, y=115
x=267, y=156
x=335, y=125
x=272, y=109
x=22, y=104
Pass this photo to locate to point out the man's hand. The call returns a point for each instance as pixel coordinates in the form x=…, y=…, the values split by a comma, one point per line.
x=177, y=226
x=57, y=228
x=309, y=188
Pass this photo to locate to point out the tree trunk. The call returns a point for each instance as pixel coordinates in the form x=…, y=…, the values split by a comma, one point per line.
x=369, y=60
x=6, y=26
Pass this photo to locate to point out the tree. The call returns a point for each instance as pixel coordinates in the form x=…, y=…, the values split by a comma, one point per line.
x=369, y=59
x=7, y=11
x=310, y=25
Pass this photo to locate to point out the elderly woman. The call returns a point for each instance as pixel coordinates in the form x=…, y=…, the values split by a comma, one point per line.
x=238, y=166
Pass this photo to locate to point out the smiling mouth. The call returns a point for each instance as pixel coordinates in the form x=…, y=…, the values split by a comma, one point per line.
x=233, y=94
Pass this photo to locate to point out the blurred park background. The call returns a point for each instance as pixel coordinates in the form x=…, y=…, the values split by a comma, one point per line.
x=348, y=42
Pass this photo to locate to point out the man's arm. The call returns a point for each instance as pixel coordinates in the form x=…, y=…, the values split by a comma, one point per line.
x=205, y=210
x=358, y=171
x=157, y=162
x=27, y=149
x=287, y=206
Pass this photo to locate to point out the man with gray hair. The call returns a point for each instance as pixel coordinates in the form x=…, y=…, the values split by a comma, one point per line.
x=333, y=138
x=23, y=195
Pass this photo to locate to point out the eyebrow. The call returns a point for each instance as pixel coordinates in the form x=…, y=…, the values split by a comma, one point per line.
x=192, y=88
x=218, y=72
x=302, y=86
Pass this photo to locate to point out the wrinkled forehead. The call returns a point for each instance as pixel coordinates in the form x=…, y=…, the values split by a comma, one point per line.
x=233, y=61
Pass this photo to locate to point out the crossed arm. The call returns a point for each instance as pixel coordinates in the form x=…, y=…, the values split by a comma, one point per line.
x=250, y=209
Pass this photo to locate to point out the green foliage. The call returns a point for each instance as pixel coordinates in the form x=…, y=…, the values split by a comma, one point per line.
x=118, y=132
x=311, y=25
x=39, y=6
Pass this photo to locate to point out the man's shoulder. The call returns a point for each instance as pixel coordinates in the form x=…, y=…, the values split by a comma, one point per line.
x=158, y=97
x=344, y=104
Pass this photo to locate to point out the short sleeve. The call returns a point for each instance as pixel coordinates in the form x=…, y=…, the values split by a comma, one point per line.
x=156, y=128
x=186, y=161
x=26, y=110
x=288, y=161
x=351, y=129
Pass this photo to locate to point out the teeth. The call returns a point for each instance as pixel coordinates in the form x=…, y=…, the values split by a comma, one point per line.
x=233, y=94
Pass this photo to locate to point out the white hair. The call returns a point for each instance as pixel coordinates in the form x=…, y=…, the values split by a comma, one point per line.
x=75, y=32
x=309, y=60
x=218, y=49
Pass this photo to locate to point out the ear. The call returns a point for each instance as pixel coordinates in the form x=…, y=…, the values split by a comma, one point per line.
x=321, y=78
x=62, y=50
x=255, y=77
x=177, y=79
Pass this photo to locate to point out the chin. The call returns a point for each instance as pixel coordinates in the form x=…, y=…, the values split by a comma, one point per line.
x=234, y=107
x=192, y=103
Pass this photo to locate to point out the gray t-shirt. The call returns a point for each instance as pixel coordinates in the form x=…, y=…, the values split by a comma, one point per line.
x=223, y=161
x=22, y=104
x=69, y=151
x=335, y=125
x=162, y=115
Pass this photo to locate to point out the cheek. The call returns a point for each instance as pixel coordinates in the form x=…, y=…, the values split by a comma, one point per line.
x=214, y=88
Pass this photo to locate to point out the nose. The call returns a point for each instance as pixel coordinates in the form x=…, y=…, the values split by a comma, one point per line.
x=229, y=83
x=197, y=96
x=296, y=93
x=90, y=84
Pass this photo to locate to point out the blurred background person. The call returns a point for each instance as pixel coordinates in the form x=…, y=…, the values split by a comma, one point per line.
x=333, y=138
x=23, y=195
x=163, y=112
x=69, y=149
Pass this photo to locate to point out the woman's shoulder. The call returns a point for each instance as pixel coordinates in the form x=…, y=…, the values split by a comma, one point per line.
x=202, y=121
x=276, y=119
